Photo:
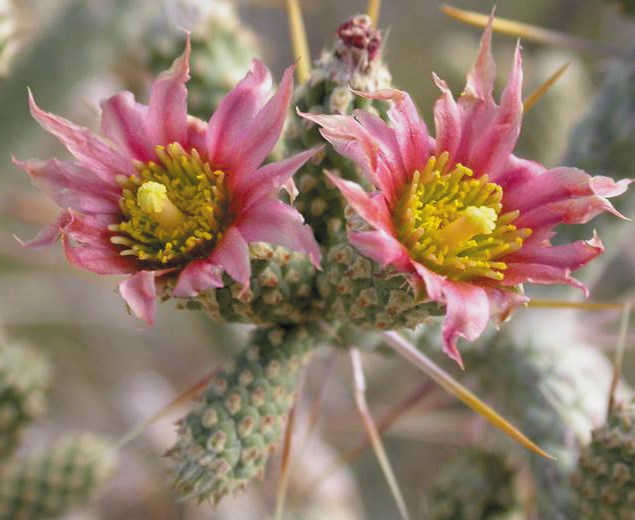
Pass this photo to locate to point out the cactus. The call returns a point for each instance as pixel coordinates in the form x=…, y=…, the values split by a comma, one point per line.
x=225, y=440
x=354, y=61
x=605, y=479
x=24, y=379
x=222, y=49
x=554, y=392
x=48, y=483
x=476, y=485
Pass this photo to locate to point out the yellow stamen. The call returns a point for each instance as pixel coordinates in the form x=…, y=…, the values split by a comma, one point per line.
x=474, y=221
x=152, y=198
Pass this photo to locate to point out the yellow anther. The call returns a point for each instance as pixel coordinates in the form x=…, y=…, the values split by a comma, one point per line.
x=474, y=221
x=152, y=198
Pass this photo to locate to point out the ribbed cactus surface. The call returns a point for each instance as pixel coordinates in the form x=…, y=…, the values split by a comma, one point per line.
x=225, y=440
x=47, y=483
x=24, y=379
x=475, y=485
x=605, y=479
x=354, y=61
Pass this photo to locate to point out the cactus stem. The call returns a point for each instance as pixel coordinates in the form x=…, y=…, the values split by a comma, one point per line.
x=373, y=9
x=537, y=94
x=418, y=359
x=299, y=41
x=535, y=34
x=373, y=434
x=619, y=355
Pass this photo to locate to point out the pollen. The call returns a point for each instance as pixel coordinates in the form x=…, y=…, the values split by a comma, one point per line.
x=174, y=210
x=453, y=223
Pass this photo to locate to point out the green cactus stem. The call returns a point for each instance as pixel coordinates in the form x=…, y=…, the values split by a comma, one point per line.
x=24, y=380
x=225, y=440
x=48, y=483
x=354, y=61
x=476, y=485
x=605, y=478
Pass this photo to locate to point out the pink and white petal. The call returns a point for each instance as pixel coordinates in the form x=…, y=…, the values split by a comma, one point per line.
x=232, y=254
x=607, y=187
x=123, y=122
x=410, y=130
x=280, y=224
x=100, y=260
x=90, y=150
x=381, y=247
x=447, y=120
x=139, y=292
x=198, y=276
x=166, y=119
x=579, y=210
x=236, y=112
x=73, y=186
x=491, y=152
x=503, y=302
x=467, y=314
x=89, y=230
x=267, y=180
x=261, y=135
x=517, y=274
x=48, y=235
x=372, y=209
x=480, y=79
x=572, y=256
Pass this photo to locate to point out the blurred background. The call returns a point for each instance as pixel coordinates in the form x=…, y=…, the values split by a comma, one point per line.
x=110, y=373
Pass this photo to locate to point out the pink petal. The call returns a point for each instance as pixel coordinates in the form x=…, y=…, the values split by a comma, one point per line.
x=280, y=224
x=139, y=292
x=98, y=259
x=197, y=277
x=491, y=152
x=352, y=140
x=578, y=210
x=48, y=235
x=467, y=314
x=89, y=149
x=267, y=181
x=123, y=121
x=480, y=80
x=73, y=186
x=235, y=113
x=382, y=248
x=410, y=130
x=232, y=254
x=447, y=120
x=91, y=230
x=607, y=187
x=503, y=302
x=259, y=138
x=517, y=274
x=372, y=209
x=166, y=120
x=572, y=256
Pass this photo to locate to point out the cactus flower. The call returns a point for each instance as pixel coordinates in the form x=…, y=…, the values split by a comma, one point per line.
x=466, y=219
x=164, y=196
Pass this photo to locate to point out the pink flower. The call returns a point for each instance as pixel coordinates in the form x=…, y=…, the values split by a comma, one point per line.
x=163, y=195
x=464, y=217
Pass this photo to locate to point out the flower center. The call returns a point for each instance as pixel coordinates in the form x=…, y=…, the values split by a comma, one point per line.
x=451, y=222
x=174, y=210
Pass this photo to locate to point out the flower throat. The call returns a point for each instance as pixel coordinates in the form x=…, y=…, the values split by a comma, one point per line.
x=451, y=222
x=174, y=210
